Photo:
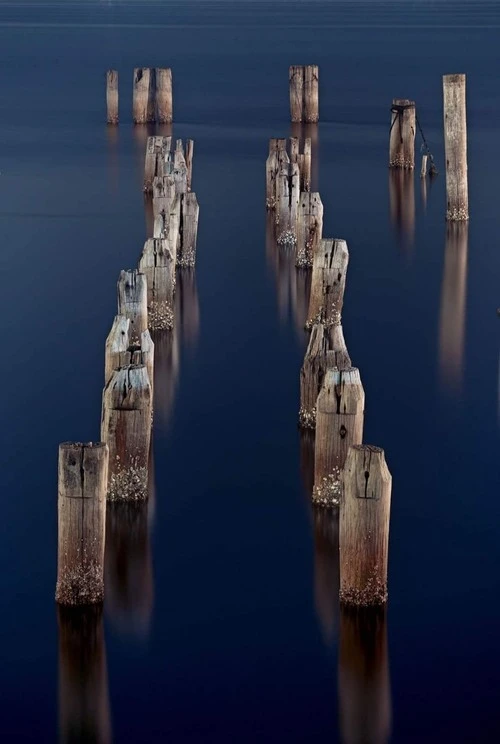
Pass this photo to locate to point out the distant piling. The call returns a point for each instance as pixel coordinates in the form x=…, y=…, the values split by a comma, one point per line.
x=164, y=103
x=364, y=527
x=402, y=134
x=455, y=143
x=304, y=93
x=112, y=96
x=82, y=480
x=140, y=102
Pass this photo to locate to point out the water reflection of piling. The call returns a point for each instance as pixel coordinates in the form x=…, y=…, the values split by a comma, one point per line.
x=307, y=460
x=187, y=308
x=326, y=570
x=128, y=567
x=166, y=374
x=364, y=684
x=84, y=711
x=453, y=301
x=402, y=204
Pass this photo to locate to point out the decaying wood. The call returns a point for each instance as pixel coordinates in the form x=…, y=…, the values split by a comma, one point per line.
x=306, y=166
x=112, y=96
x=337, y=355
x=296, y=80
x=311, y=375
x=455, y=142
x=141, y=95
x=339, y=424
x=157, y=160
x=164, y=102
x=186, y=253
x=189, y=162
x=82, y=478
x=120, y=352
x=84, y=709
x=158, y=266
x=164, y=192
x=126, y=427
x=402, y=134
x=423, y=169
x=133, y=302
x=151, y=115
x=180, y=171
x=311, y=93
x=330, y=262
x=364, y=527
x=167, y=226
x=309, y=228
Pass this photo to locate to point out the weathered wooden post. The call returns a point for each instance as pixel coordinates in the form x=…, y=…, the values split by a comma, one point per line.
x=84, y=710
x=364, y=527
x=311, y=94
x=151, y=117
x=141, y=95
x=189, y=162
x=127, y=406
x=423, y=169
x=156, y=160
x=158, y=266
x=296, y=80
x=326, y=570
x=164, y=106
x=309, y=228
x=402, y=134
x=363, y=676
x=311, y=375
x=339, y=424
x=306, y=169
x=455, y=143
x=328, y=282
x=163, y=194
x=190, y=210
x=133, y=302
x=82, y=477
x=112, y=96
x=337, y=354
x=120, y=352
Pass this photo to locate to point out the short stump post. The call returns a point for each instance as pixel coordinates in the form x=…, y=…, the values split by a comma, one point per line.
x=82, y=476
x=364, y=527
x=311, y=94
x=309, y=228
x=164, y=106
x=158, y=266
x=112, y=96
x=455, y=145
x=330, y=263
x=402, y=134
x=140, y=101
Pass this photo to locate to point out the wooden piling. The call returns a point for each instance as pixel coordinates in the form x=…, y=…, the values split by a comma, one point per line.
x=164, y=105
x=402, y=134
x=296, y=80
x=133, y=302
x=156, y=160
x=186, y=254
x=311, y=376
x=180, y=171
x=151, y=115
x=311, y=94
x=141, y=95
x=330, y=263
x=164, y=192
x=189, y=162
x=423, y=169
x=306, y=167
x=309, y=228
x=455, y=143
x=82, y=477
x=158, y=266
x=339, y=424
x=120, y=352
x=126, y=427
x=337, y=355
x=112, y=96
x=364, y=527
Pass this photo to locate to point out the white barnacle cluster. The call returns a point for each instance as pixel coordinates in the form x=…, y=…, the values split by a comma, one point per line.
x=328, y=492
x=287, y=239
x=81, y=584
x=187, y=259
x=307, y=418
x=128, y=484
x=271, y=202
x=303, y=259
x=160, y=316
x=333, y=320
x=373, y=593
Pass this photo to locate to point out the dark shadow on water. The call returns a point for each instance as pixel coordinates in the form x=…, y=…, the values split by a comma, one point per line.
x=453, y=305
x=365, y=707
x=326, y=571
x=84, y=710
x=402, y=206
x=187, y=308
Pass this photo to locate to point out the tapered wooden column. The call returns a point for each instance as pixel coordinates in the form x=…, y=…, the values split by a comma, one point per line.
x=164, y=104
x=309, y=228
x=311, y=376
x=339, y=424
x=126, y=427
x=364, y=527
x=190, y=210
x=328, y=282
x=82, y=476
x=133, y=302
x=455, y=144
x=158, y=266
x=402, y=134
x=112, y=96
x=140, y=100
x=120, y=352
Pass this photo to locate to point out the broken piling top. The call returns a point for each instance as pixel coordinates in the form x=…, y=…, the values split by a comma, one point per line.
x=157, y=162
x=330, y=262
x=455, y=142
x=304, y=93
x=311, y=375
x=364, y=527
x=133, y=301
x=120, y=351
x=82, y=481
x=309, y=228
x=402, y=134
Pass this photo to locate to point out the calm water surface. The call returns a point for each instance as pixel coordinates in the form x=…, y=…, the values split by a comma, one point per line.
x=221, y=622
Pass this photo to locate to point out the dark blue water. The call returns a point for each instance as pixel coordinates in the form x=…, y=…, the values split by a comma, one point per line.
x=221, y=621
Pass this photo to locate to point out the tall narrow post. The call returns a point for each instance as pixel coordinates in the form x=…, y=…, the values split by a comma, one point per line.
x=455, y=144
x=158, y=266
x=328, y=282
x=311, y=94
x=151, y=117
x=164, y=105
x=112, y=96
x=140, y=95
x=311, y=376
x=364, y=527
x=339, y=424
x=402, y=134
x=189, y=162
x=133, y=302
x=296, y=80
x=82, y=477
x=309, y=228
x=186, y=255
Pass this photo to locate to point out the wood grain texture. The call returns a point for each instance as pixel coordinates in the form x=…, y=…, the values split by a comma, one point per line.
x=151, y=112
x=140, y=98
x=309, y=228
x=306, y=166
x=82, y=480
x=455, y=144
x=133, y=302
x=156, y=160
x=127, y=405
x=330, y=261
x=364, y=527
x=164, y=95
x=164, y=192
x=189, y=162
x=337, y=355
x=180, y=171
x=311, y=93
x=296, y=84
x=112, y=103
x=158, y=266
x=423, y=169
x=186, y=253
x=402, y=134
x=311, y=375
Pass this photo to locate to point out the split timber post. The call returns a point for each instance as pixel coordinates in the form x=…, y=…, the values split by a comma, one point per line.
x=364, y=527
x=140, y=101
x=82, y=476
x=163, y=194
x=164, y=106
x=180, y=171
x=133, y=302
x=304, y=93
x=309, y=228
x=455, y=143
x=402, y=134
x=158, y=266
x=328, y=282
x=311, y=376
x=127, y=406
x=339, y=424
x=112, y=96
x=151, y=114
x=189, y=162
x=190, y=210
x=156, y=163
x=120, y=352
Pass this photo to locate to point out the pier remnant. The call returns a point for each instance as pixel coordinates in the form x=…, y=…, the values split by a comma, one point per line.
x=163, y=103
x=455, y=144
x=140, y=100
x=112, y=96
x=304, y=93
x=330, y=262
x=158, y=266
x=133, y=301
x=402, y=134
